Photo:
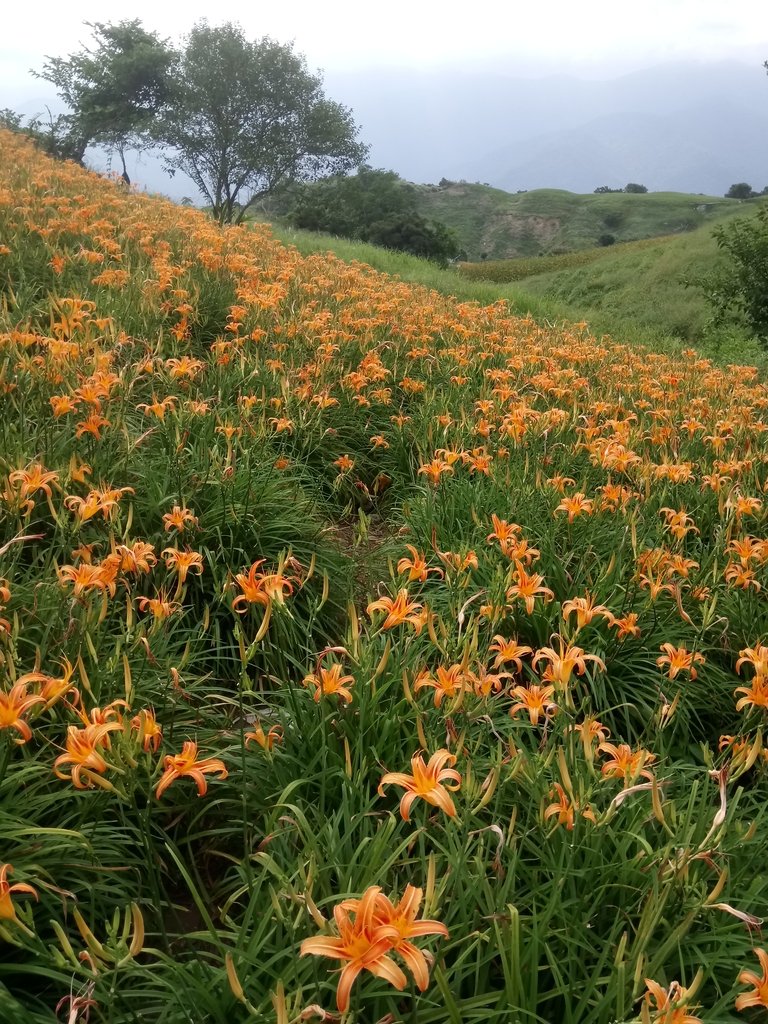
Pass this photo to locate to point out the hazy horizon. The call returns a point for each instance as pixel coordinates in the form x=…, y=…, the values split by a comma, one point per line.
x=551, y=97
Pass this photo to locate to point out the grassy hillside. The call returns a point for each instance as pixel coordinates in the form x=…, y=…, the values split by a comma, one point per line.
x=639, y=284
x=493, y=224
x=657, y=311
x=365, y=655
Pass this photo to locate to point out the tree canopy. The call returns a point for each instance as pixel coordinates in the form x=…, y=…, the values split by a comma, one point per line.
x=115, y=91
x=375, y=206
x=247, y=117
x=738, y=289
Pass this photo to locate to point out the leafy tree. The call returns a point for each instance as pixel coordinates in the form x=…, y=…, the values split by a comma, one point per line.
x=248, y=117
x=349, y=205
x=412, y=233
x=115, y=91
x=738, y=290
x=741, y=190
x=633, y=188
x=606, y=189
x=375, y=206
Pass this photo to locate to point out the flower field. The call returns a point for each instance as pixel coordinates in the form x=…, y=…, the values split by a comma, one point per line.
x=364, y=655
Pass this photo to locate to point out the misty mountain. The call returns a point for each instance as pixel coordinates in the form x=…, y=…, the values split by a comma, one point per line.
x=684, y=126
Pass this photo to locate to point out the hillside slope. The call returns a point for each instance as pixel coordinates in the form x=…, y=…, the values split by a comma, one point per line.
x=642, y=283
x=493, y=224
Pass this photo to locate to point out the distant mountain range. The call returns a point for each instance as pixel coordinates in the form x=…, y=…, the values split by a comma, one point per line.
x=679, y=127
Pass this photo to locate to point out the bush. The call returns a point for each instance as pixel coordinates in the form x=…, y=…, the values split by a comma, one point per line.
x=741, y=190
x=738, y=290
x=374, y=206
x=606, y=239
x=635, y=189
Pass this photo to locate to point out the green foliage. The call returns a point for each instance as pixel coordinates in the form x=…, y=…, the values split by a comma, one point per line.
x=606, y=190
x=11, y=120
x=115, y=91
x=248, y=117
x=375, y=206
x=741, y=190
x=349, y=205
x=548, y=221
x=606, y=239
x=634, y=188
x=738, y=289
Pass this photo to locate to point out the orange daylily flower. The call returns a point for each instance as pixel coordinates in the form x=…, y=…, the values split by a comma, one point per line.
x=759, y=997
x=361, y=944
x=400, y=609
x=54, y=687
x=447, y=682
x=576, y=505
x=426, y=782
x=563, y=662
x=527, y=587
x=755, y=695
x=266, y=740
x=402, y=917
x=261, y=588
x=82, y=751
x=86, y=578
x=183, y=562
x=625, y=763
x=565, y=807
x=757, y=657
x=627, y=626
x=7, y=909
x=330, y=681
x=586, y=609
x=149, y=730
x=416, y=566
x=679, y=660
x=179, y=518
x=187, y=765
x=535, y=699
x=591, y=731
x=161, y=606
x=137, y=558
x=434, y=470
x=505, y=533
x=670, y=1007
x=13, y=706
x=508, y=650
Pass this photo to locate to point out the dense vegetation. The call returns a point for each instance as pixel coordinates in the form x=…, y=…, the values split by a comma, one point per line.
x=374, y=206
x=492, y=224
x=345, y=624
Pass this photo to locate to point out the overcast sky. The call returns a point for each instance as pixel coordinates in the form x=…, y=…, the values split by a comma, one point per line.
x=599, y=37
x=440, y=49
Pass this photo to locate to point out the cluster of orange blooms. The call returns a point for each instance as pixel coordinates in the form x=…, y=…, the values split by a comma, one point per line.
x=311, y=349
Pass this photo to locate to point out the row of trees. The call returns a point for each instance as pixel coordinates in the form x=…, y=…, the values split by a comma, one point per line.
x=240, y=118
x=742, y=190
x=631, y=187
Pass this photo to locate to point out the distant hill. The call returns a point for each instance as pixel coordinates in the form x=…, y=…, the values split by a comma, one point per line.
x=636, y=284
x=494, y=224
x=686, y=126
